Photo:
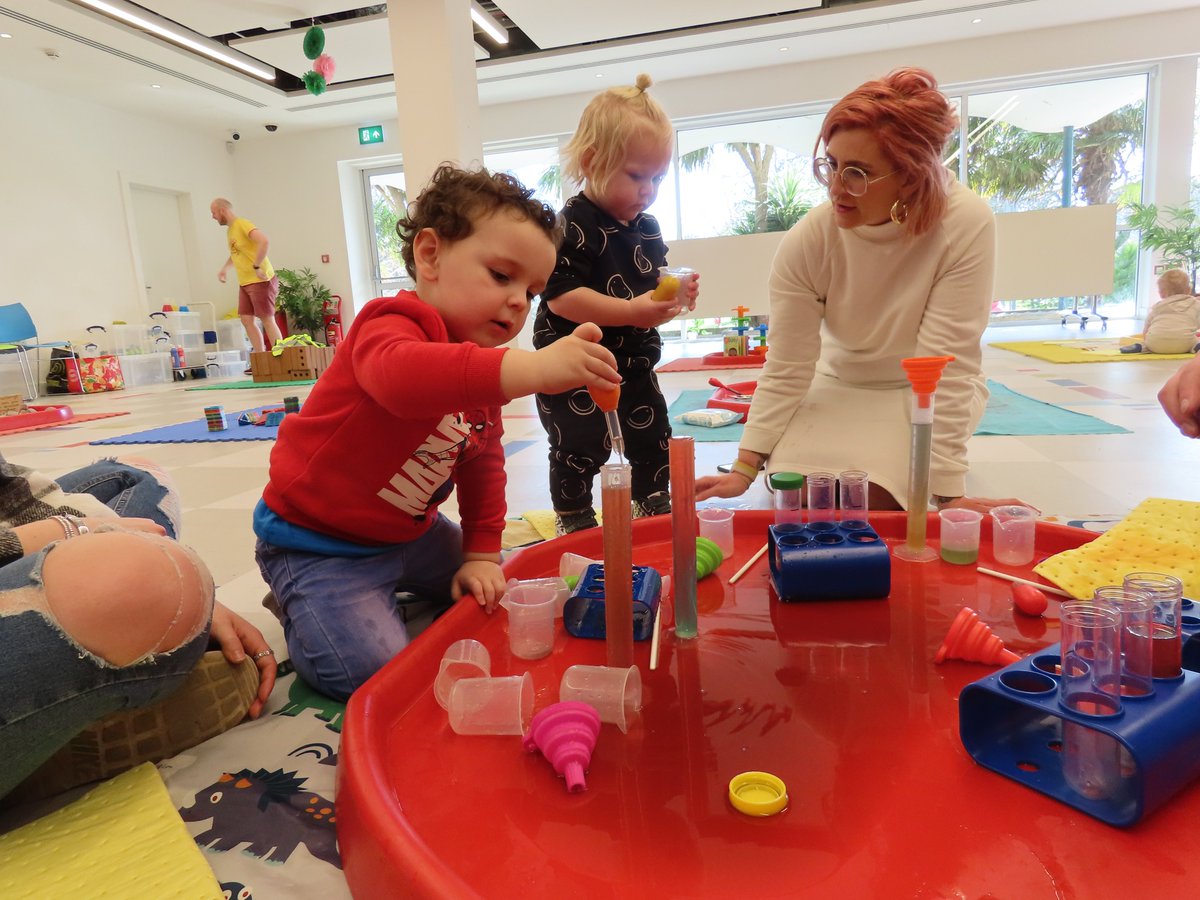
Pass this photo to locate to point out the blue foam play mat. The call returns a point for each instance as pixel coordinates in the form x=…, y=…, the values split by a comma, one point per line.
x=196, y=430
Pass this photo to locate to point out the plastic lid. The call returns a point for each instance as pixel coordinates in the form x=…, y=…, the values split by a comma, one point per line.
x=924, y=371
x=786, y=481
x=757, y=793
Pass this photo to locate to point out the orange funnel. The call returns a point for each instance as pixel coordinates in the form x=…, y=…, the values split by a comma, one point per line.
x=971, y=640
x=924, y=372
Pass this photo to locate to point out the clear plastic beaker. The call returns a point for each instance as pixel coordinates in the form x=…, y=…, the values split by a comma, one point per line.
x=717, y=525
x=960, y=535
x=820, y=496
x=491, y=705
x=668, y=289
x=788, y=502
x=558, y=585
x=531, y=607
x=1166, y=594
x=854, y=487
x=463, y=659
x=1013, y=532
x=615, y=693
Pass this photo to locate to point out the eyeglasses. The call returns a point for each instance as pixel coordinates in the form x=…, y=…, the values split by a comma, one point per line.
x=854, y=179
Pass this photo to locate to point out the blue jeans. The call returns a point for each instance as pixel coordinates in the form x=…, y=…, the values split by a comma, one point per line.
x=340, y=614
x=52, y=687
x=129, y=491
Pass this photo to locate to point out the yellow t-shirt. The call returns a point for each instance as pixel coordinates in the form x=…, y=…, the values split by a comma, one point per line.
x=242, y=251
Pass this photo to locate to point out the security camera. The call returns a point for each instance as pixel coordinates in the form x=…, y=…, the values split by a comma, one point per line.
x=271, y=128
x=235, y=135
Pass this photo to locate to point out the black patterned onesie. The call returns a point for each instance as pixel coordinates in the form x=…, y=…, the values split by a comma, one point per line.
x=619, y=260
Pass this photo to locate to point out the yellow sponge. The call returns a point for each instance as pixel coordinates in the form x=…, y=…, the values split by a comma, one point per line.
x=122, y=839
x=1159, y=536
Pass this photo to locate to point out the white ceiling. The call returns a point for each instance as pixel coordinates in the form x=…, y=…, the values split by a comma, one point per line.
x=61, y=45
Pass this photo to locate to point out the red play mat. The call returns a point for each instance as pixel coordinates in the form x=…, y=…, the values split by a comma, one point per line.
x=841, y=700
x=712, y=361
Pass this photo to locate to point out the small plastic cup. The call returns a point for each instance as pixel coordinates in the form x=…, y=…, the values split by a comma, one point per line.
x=1166, y=594
x=532, y=607
x=1013, y=531
x=463, y=659
x=854, y=486
x=717, y=526
x=960, y=535
x=682, y=273
x=820, y=496
x=615, y=693
x=559, y=585
x=491, y=705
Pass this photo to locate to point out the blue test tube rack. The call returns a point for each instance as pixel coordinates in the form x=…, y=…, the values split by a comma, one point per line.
x=828, y=561
x=1011, y=722
x=583, y=614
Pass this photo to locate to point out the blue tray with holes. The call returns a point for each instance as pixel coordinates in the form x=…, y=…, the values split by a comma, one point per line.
x=828, y=561
x=583, y=614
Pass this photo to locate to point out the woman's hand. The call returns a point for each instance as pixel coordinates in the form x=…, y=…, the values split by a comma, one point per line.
x=1180, y=398
x=728, y=485
x=237, y=638
x=481, y=579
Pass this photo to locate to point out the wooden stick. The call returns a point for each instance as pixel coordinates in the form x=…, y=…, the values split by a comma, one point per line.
x=1041, y=587
x=654, y=639
x=746, y=568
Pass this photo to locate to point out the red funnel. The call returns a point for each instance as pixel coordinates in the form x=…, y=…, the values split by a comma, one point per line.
x=971, y=640
x=566, y=735
x=924, y=372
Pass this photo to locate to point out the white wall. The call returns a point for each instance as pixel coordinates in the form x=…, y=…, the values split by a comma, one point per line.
x=65, y=248
x=290, y=185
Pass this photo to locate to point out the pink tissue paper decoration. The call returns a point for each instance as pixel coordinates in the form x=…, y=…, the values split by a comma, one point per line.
x=324, y=65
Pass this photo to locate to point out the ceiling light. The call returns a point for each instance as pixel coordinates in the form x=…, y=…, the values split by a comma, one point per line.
x=488, y=23
x=138, y=17
x=156, y=86
x=976, y=21
x=599, y=75
x=783, y=49
x=5, y=34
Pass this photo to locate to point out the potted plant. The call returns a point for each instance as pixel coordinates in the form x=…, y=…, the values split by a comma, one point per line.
x=1177, y=234
x=302, y=298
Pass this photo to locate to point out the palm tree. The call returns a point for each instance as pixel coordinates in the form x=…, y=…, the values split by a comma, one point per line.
x=757, y=158
x=784, y=207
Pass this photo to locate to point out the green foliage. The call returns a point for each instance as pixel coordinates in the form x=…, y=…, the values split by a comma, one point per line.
x=1175, y=232
x=388, y=204
x=303, y=298
x=782, y=208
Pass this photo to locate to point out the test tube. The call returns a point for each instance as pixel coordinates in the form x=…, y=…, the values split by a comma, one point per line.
x=1089, y=686
x=1137, y=626
x=1166, y=593
x=615, y=482
x=853, y=487
x=682, y=457
x=787, y=487
x=820, y=496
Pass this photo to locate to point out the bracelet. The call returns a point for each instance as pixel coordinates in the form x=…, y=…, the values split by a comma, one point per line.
x=80, y=528
x=744, y=469
x=940, y=500
x=68, y=527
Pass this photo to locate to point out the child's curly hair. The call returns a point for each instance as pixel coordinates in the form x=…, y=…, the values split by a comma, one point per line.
x=455, y=198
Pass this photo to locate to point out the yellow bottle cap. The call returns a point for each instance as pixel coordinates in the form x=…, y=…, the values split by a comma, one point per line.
x=757, y=793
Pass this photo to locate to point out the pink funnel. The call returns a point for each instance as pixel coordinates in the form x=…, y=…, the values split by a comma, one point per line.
x=566, y=734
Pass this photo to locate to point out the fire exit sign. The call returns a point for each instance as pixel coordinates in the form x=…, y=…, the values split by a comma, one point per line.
x=370, y=134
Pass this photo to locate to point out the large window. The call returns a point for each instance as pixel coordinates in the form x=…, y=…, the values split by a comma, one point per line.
x=1079, y=143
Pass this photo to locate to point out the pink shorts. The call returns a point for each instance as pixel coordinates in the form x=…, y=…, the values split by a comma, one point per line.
x=258, y=299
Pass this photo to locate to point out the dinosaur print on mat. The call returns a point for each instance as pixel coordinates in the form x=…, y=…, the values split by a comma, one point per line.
x=270, y=811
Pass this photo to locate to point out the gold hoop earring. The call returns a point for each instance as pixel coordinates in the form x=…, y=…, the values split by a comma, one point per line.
x=899, y=212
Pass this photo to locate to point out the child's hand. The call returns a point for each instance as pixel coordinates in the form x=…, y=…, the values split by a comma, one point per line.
x=577, y=360
x=481, y=579
x=646, y=312
x=689, y=291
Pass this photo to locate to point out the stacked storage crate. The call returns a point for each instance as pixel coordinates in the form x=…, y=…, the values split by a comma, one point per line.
x=143, y=354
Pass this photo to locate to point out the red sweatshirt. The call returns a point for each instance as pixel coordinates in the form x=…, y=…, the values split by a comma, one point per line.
x=398, y=414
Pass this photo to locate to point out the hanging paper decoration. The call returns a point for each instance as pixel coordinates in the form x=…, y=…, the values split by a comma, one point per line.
x=315, y=82
x=323, y=65
x=314, y=42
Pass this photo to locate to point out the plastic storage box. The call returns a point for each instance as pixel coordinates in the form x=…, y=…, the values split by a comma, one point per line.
x=146, y=368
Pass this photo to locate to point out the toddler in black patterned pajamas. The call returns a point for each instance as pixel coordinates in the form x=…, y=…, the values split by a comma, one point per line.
x=606, y=273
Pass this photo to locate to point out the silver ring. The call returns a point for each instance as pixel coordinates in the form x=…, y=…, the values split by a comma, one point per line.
x=261, y=653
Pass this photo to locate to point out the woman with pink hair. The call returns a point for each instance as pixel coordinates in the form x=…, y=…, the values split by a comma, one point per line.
x=898, y=263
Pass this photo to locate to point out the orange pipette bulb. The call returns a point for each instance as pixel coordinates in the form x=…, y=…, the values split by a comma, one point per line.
x=607, y=399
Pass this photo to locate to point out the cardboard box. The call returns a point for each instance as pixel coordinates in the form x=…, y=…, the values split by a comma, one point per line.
x=293, y=364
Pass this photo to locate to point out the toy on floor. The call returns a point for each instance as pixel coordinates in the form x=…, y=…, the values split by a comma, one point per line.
x=735, y=397
x=971, y=640
x=214, y=417
x=32, y=416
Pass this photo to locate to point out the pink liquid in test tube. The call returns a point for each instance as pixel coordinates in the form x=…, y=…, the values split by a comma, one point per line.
x=615, y=483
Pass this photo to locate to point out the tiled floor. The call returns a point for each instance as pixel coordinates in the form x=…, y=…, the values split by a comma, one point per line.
x=1069, y=476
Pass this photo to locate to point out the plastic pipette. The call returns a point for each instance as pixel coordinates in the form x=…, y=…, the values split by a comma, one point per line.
x=923, y=374
x=607, y=399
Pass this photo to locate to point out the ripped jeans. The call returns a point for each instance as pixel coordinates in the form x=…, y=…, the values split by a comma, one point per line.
x=131, y=490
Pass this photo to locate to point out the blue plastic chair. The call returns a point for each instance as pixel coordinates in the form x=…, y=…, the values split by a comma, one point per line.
x=19, y=335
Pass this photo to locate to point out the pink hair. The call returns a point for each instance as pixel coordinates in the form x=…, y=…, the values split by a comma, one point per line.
x=912, y=120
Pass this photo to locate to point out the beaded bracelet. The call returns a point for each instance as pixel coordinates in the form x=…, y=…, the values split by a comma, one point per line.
x=744, y=469
x=68, y=527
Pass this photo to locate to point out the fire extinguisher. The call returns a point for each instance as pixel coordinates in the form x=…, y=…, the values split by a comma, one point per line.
x=333, y=331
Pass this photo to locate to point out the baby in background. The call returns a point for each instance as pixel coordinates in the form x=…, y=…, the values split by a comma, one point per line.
x=1172, y=322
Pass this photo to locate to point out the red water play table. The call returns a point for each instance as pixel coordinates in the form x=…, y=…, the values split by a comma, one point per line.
x=839, y=699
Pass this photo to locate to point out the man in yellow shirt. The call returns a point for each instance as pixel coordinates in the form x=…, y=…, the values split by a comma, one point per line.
x=258, y=283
